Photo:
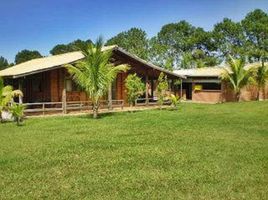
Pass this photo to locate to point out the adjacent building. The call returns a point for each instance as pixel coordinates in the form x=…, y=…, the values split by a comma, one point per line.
x=205, y=85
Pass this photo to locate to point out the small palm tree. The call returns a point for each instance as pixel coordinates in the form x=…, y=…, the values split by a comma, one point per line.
x=17, y=111
x=95, y=72
x=237, y=75
x=174, y=101
x=261, y=78
x=6, y=96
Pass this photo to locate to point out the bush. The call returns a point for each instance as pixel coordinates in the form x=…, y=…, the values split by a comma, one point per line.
x=135, y=88
x=17, y=111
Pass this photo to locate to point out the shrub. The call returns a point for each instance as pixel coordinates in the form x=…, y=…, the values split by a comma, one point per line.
x=135, y=88
x=17, y=111
x=162, y=87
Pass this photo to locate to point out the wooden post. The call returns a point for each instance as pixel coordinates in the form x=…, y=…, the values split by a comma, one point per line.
x=147, y=89
x=20, y=88
x=222, y=91
x=152, y=88
x=64, y=103
x=110, y=103
x=43, y=108
x=181, y=90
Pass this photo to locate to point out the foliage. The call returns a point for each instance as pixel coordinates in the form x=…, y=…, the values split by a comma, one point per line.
x=17, y=111
x=174, y=101
x=261, y=78
x=177, y=43
x=134, y=41
x=3, y=63
x=255, y=26
x=26, y=55
x=6, y=96
x=158, y=54
x=72, y=46
x=237, y=76
x=95, y=72
x=162, y=87
x=229, y=38
x=135, y=87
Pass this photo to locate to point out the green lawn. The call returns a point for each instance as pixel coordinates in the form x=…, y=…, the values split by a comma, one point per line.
x=199, y=152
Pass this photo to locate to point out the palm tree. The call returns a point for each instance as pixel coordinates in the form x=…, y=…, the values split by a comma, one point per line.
x=261, y=78
x=95, y=72
x=237, y=75
x=17, y=111
x=6, y=96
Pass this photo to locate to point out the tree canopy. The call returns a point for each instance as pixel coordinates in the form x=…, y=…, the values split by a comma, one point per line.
x=255, y=26
x=229, y=38
x=3, y=63
x=26, y=55
x=182, y=45
x=70, y=47
x=134, y=40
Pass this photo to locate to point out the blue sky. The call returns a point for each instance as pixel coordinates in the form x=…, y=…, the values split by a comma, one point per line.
x=41, y=24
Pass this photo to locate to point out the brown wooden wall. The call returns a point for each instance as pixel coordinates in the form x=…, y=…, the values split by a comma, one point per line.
x=56, y=80
x=28, y=85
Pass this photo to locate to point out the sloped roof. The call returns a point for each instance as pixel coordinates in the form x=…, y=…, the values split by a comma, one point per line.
x=201, y=72
x=210, y=71
x=52, y=62
x=43, y=64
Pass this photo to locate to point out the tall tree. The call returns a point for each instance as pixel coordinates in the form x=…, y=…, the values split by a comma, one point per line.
x=255, y=26
x=95, y=73
x=134, y=40
x=229, y=38
x=26, y=55
x=70, y=47
x=60, y=49
x=3, y=63
x=177, y=43
x=175, y=39
x=237, y=76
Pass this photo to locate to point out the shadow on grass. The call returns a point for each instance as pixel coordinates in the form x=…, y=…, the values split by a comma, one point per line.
x=21, y=124
x=108, y=114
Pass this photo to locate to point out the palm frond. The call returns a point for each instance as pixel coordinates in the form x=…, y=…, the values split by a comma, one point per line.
x=95, y=72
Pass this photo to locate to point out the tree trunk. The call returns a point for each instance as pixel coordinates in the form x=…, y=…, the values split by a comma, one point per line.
x=95, y=109
x=237, y=96
x=258, y=95
x=17, y=121
x=1, y=120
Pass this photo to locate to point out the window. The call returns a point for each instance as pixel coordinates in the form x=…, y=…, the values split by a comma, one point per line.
x=37, y=83
x=210, y=86
x=71, y=86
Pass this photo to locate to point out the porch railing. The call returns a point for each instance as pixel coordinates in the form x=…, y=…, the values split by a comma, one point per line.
x=151, y=101
x=46, y=107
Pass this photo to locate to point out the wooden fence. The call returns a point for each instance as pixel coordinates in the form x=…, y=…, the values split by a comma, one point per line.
x=52, y=107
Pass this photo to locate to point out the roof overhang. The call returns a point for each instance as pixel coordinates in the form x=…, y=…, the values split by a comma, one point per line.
x=54, y=62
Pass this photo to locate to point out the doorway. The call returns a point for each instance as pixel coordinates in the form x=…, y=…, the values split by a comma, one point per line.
x=188, y=90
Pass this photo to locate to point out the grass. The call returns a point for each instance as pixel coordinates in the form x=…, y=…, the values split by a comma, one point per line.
x=199, y=152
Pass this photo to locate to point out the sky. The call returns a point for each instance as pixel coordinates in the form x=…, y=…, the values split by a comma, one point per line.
x=41, y=24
